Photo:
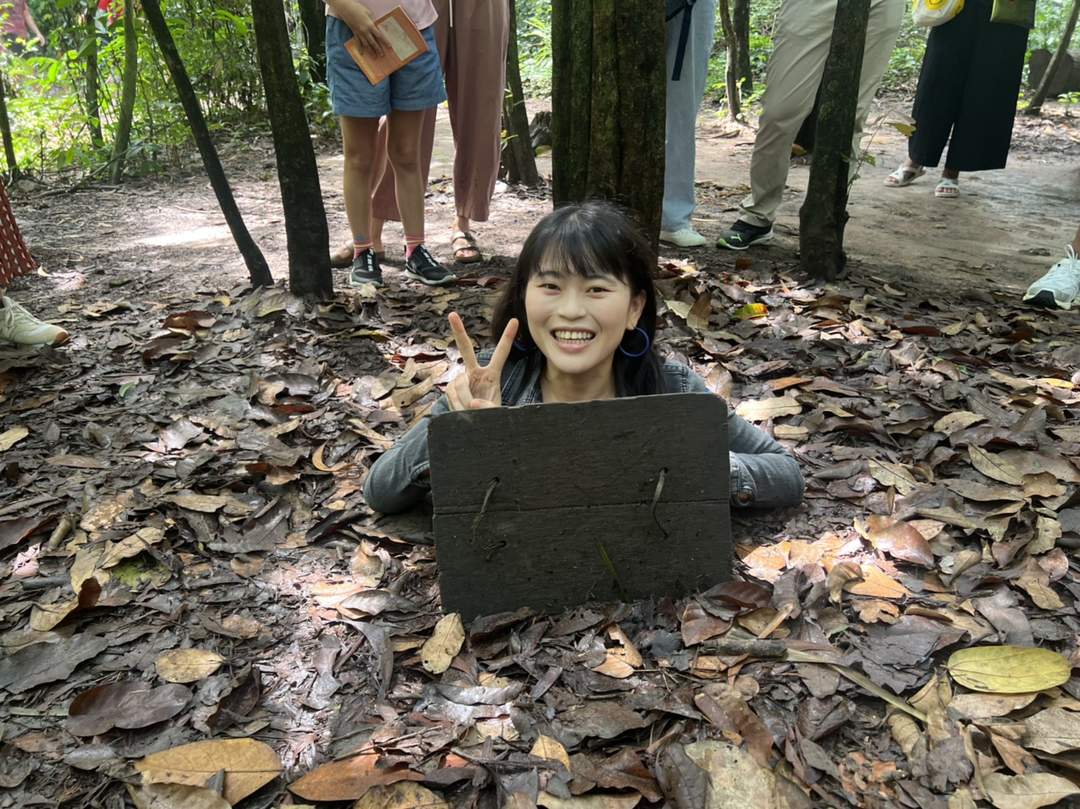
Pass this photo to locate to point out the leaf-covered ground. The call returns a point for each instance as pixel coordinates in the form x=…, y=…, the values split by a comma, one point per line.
x=185, y=556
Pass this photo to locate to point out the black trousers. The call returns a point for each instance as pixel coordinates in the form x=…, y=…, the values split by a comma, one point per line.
x=968, y=86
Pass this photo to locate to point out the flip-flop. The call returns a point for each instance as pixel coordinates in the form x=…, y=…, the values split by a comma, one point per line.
x=904, y=176
x=463, y=243
x=947, y=189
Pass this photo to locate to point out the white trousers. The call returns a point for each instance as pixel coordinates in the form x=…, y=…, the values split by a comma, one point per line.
x=800, y=45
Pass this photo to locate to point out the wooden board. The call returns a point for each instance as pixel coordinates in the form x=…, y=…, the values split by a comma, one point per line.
x=571, y=518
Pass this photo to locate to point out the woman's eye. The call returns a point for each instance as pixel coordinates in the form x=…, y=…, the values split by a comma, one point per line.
x=598, y=289
x=549, y=285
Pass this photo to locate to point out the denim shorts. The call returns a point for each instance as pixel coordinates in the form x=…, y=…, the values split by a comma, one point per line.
x=416, y=86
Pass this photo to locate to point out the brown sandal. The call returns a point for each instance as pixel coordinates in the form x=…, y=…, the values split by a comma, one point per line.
x=465, y=249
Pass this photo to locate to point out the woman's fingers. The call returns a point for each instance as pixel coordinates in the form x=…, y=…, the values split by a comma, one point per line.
x=464, y=344
x=502, y=350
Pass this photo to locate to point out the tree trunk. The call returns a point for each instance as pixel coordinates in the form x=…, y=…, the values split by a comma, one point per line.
x=1035, y=105
x=740, y=18
x=93, y=104
x=313, y=20
x=517, y=154
x=298, y=174
x=824, y=211
x=258, y=270
x=608, y=102
x=5, y=132
x=127, y=96
x=731, y=71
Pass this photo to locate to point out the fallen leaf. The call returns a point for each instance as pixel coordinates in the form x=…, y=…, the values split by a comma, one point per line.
x=546, y=747
x=900, y=540
x=402, y=795
x=1008, y=669
x=750, y=311
x=349, y=779
x=42, y=663
x=995, y=466
x=187, y=665
x=989, y=706
x=766, y=409
x=549, y=801
x=893, y=474
x=1054, y=730
x=444, y=644
x=175, y=796
x=126, y=705
x=736, y=779
x=1029, y=791
x=13, y=436
x=248, y=765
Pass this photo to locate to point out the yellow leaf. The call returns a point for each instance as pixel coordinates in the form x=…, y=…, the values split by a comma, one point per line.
x=548, y=748
x=248, y=765
x=1008, y=669
x=187, y=665
x=402, y=795
x=751, y=311
x=10, y=438
x=444, y=644
x=907, y=130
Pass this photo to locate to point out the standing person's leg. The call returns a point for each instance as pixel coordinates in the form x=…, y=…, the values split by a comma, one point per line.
x=882, y=29
x=683, y=102
x=358, y=136
x=1059, y=287
x=475, y=84
x=800, y=46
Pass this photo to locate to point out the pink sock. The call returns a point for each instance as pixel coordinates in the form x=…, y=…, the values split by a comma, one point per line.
x=411, y=243
x=360, y=244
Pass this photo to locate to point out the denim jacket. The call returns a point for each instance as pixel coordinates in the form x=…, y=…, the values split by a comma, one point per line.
x=763, y=474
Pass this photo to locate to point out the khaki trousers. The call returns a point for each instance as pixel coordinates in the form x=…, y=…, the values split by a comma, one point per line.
x=473, y=54
x=800, y=45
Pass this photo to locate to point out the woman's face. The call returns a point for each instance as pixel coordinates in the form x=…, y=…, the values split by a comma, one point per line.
x=578, y=322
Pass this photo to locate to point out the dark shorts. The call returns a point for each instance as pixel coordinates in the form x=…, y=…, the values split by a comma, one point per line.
x=416, y=86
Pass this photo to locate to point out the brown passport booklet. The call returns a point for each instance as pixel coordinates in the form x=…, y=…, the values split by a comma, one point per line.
x=406, y=43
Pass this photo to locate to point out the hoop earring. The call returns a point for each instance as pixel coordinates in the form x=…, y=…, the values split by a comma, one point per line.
x=643, y=351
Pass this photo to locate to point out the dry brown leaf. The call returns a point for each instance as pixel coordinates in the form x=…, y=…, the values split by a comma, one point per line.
x=736, y=780
x=615, y=666
x=905, y=732
x=175, y=796
x=876, y=584
x=989, y=706
x=402, y=795
x=116, y=552
x=205, y=503
x=699, y=626
x=187, y=665
x=1047, y=533
x=900, y=540
x=1054, y=730
x=893, y=474
x=248, y=765
x=444, y=644
x=349, y=779
x=765, y=409
x=546, y=747
x=1036, y=583
x=995, y=466
x=957, y=420
x=105, y=513
x=1030, y=791
x=13, y=436
x=628, y=801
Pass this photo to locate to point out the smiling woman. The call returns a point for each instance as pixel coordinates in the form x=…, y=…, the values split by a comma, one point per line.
x=577, y=323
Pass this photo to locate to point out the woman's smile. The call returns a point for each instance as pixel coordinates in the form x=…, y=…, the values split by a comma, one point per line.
x=572, y=340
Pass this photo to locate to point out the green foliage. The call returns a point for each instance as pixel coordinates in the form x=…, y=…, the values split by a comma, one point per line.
x=47, y=85
x=534, y=46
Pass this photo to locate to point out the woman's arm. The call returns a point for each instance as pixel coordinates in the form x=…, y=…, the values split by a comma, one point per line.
x=360, y=21
x=399, y=479
x=763, y=473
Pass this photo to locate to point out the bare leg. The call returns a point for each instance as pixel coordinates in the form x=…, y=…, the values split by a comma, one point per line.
x=358, y=137
x=1076, y=241
x=403, y=148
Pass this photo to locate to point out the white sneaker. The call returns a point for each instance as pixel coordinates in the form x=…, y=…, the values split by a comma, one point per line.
x=1060, y=287
x=683, y=237
x=19, y=326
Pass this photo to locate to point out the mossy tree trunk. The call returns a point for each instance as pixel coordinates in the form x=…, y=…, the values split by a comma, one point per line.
x=298, y=173
x=740, y=18
x=314, y=21
x=258, y=270
x=824, y=211
x=731, y=69
x=127, y=95
x=517, y=154
x=608, y=91
x=1034, y=106
x=93, y=103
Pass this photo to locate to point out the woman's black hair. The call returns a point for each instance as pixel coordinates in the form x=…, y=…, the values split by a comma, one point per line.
x=590, y=239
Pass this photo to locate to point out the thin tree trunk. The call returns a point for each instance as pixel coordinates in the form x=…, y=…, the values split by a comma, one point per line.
x=518, y=158
x=5, y=131
x=1034, y=106
x=258, y=270
x=731, y=71
x=824, y=211
x=298, y=173
x=608, y=104
x=127, y=96
x=93, y=105
x=740, y=18
x=313, y=20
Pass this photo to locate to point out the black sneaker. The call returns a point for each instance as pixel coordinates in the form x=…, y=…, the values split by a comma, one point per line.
x=743, y=234
x=366, y=269
x=423, y=267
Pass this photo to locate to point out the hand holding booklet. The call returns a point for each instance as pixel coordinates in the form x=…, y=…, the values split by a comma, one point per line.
x=406, y=43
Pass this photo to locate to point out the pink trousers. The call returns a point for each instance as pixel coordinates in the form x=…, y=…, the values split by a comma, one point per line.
x=473, y=54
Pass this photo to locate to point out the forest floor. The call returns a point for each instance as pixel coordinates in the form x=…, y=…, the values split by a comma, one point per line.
x=184, y=548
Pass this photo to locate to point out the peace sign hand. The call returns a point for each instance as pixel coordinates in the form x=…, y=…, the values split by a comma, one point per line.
x=481, y=385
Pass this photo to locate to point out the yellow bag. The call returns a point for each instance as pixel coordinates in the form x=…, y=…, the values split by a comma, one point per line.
x=931, y=13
